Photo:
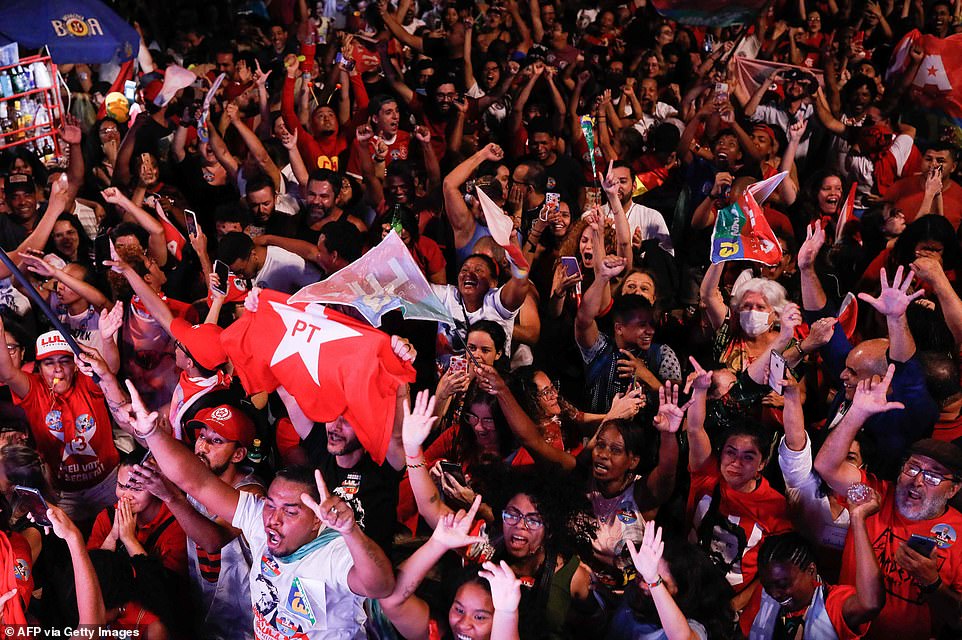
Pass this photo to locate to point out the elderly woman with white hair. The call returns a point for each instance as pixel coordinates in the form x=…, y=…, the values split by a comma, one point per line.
x=757, y=320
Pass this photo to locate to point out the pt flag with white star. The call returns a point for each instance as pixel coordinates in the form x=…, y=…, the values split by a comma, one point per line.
x=938, y=82
x=333, y=365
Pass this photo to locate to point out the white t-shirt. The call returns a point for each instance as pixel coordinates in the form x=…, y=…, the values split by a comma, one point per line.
x=861, y=169
x=650, y=221
x=491, y=309
x=306, y=598
x=85, y=328
x=285, y=271
x=810, y=509
x=663, y=111
x=773, y=115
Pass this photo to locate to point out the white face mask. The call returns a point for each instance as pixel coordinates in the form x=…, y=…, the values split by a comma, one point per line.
x=754, y=323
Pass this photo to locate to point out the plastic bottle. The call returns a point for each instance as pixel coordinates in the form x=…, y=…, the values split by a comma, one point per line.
x=6, y=84
x=41, y=75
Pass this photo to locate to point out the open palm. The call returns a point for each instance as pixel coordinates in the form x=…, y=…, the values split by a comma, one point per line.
x=894, y=298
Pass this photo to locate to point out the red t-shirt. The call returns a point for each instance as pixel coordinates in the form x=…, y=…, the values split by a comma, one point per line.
x=750, y=517
x=73, y=431
x=908, y=192
x=170, y=547
x=397, y=150
x=22, y=567
x=906, y=614
x=948, y=430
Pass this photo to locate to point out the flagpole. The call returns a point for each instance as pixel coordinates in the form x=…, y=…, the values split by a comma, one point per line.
x=41, y=304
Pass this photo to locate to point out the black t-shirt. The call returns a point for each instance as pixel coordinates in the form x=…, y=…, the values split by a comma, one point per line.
x=566, y=178
x=370, y=489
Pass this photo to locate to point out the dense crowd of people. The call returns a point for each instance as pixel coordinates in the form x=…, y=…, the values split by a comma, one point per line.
x=614, y=435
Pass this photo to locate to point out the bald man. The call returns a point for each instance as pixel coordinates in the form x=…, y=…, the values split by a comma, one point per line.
x=892, y=431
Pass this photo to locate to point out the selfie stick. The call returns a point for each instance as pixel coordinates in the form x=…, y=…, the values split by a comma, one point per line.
x=41, y=304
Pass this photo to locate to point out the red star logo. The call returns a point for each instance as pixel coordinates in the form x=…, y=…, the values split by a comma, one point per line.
x=933, y=71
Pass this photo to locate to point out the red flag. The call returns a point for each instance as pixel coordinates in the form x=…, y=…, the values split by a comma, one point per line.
x=126, y=73
x=848, y=315
x=742, y=231
x=332, y=364
x=846, y=214
x=175, y=239
x=938, y=82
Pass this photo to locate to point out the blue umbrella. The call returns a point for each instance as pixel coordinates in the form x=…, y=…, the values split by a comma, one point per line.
x=74, y=30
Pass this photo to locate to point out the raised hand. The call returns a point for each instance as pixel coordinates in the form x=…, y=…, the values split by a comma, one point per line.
x=492, y=152
x=505, y=586
x=797, y=130
x=403, y=349
x=36, y=264
x=113, y=195
x=490, y=381
x=332, y=511
x=90, y=361
x=814, y=239
x=647, y=556
x=422, y=134
x=417, y=423
x=111, y=320
x=70, y=133
x=819, y=334
x=453, y=529
x=288, y=139
x=149, y=477
x=260, y=78
x=608, y=182
x=871, y=395
x=699, y=379
x=143, y=422
x=893, y=299
x=789, y=318
x=862, y=504
x=63, y=527
x=928, y=269
x=610, y=267
x=670, y=415
x=625, y=406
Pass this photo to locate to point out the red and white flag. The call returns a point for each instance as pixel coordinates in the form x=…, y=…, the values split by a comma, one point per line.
x=332, y=364
x=845, y=214
x=501, y=228
x=938, y=81
x=848, y=314
x=175, y=239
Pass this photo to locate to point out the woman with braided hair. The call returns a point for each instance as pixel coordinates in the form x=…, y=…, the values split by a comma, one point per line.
x=794, y=595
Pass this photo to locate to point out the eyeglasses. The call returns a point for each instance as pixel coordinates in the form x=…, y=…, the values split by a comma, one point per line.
x=930, y=478
x=549, y=391
x=531, y=520
x=474, y=420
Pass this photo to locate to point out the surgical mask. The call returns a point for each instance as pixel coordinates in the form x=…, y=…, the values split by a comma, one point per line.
x=754, y=323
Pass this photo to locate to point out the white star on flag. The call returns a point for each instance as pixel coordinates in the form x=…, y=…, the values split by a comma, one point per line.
x=304, y=333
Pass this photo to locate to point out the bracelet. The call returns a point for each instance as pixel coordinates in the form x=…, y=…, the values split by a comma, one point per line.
x=931, y=588
x=419, y=465
x=153, y=430
x=798, y=347
x=652, y=585
x=378, y=158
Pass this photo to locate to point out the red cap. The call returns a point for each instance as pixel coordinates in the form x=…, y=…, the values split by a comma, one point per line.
x=235, y=89
x=52, y=344
x=152, y=90
x=229, y=422
x=202, y=342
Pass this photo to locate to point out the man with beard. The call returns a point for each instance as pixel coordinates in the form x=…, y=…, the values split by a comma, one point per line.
x=385, y=123
x=797, y=104
x=271, y=212
x=218, y=557
x=324, y=146
x=323, y=188
x=851, y=364
x=915, y=533
x=436, y=110
x=565, y=176
x=645, y=223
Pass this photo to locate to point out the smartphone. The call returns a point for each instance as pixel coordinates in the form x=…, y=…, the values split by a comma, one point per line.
x=453, y=469
x=346, y=63
x=572, y=268
x=223, y=273
x=721, y=92
x=920, y=544
x=101, y=251
x=191, y=219
x=458, y=364
x=776, y=372
x=147, y=456
x=553, y=200
x=30, y=500
x=130, y=90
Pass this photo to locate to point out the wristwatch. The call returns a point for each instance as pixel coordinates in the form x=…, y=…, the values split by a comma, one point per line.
x=929, y=589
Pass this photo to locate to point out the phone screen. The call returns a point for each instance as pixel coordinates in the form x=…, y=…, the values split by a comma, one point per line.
x=922, y=544
x=30, y=500
x=191, y=219
x=130, y=90
x=453, y=469
x=571, y=266
x=223, y=273
x=776, y=372
x=101, y=251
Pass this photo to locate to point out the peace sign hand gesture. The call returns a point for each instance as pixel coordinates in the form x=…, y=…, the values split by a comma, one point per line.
x=333, y=512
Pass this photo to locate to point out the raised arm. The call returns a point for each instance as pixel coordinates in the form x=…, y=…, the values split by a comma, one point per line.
x=586, y=329
x=831, y=463
x=257, y=150
x=930, y=270
x=459, y=216
x=892, y=302
x=90, y=600
x=825, y=115
x=13, y=377
x=156, y=307
x=622, y=229
x=157, y=241
x=813, y=295
x=866, y=603
x=179, y=463
x=711, y=295
x=788, y=188
x=36, y=264
x=699, y=444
